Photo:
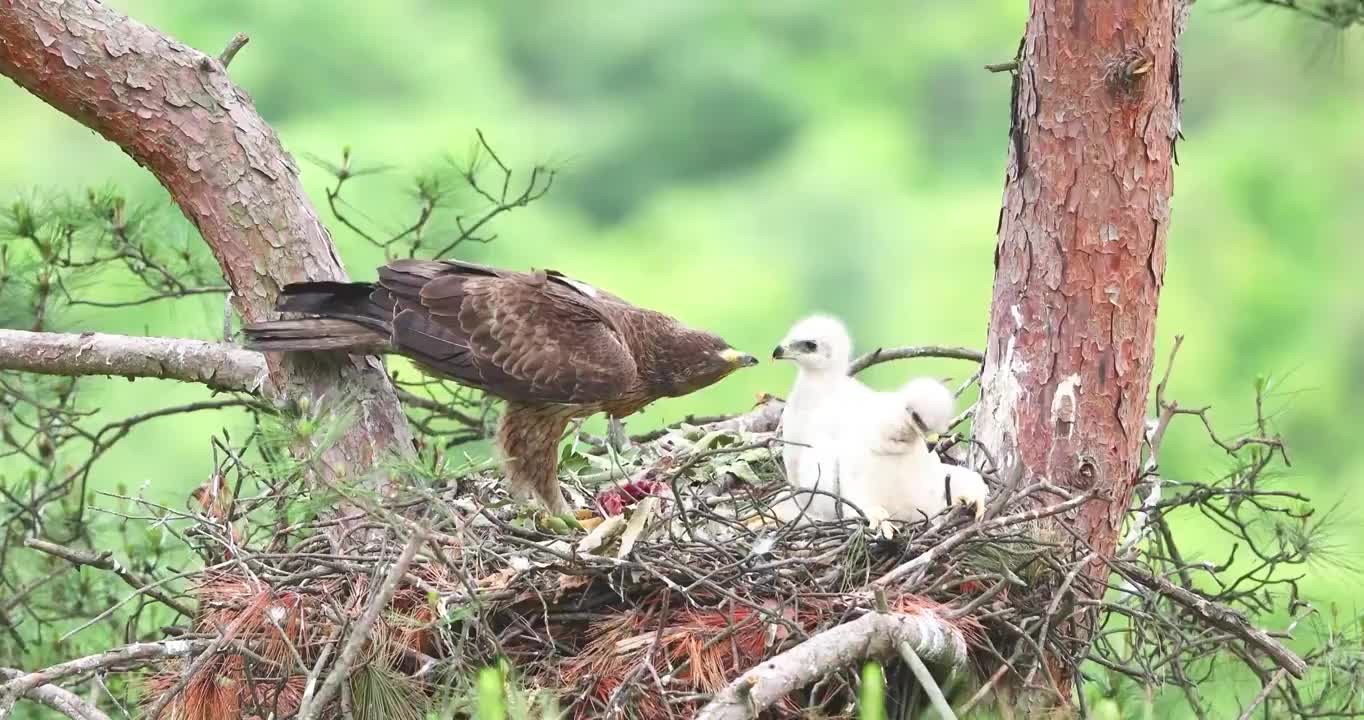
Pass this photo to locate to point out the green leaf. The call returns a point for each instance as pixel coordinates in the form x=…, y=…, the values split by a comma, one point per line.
x=740, y=470
x=491, y=702
x=871, y=702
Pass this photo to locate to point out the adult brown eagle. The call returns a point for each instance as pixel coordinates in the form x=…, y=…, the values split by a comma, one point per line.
x=553, y=348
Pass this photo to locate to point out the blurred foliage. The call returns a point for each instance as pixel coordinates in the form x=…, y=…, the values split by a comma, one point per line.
x=1336, y=13
x=742, y=165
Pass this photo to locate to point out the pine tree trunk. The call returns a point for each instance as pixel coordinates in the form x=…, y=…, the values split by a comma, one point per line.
x=1080, y=258
x=176, y=112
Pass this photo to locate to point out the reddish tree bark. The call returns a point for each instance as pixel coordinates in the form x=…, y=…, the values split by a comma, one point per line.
x=1081, y=253
x=174, y=110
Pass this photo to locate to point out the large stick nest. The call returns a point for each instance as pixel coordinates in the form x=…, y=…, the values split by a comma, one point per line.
x=688, y=582
x=689, y=593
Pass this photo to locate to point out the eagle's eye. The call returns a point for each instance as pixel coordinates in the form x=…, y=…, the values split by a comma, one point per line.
x=807, y=346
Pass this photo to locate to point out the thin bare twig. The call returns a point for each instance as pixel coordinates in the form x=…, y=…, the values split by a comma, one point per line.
x=1264, y=693
x=104, y=561
x=234, y=46
x=880, y=355
x=926, y=681
x=1219, y=616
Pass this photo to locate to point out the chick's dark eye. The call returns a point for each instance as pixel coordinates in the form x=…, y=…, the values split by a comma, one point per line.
x=806, y=346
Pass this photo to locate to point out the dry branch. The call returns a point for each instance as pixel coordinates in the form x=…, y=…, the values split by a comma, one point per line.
x=924, y=559
x=63, y=701
x=126, y=656
x=874, y=635
x=881, y=355
x=234, y=46
x=217, y=365
x=761, y=418
x=1278, y=677
x=1221, y=617
x=104, y=561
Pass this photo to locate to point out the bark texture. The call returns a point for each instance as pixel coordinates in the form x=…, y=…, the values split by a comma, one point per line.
x=1081, y=252
x=174, y=110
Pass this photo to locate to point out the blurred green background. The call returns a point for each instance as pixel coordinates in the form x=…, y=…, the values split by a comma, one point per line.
x=741, y=165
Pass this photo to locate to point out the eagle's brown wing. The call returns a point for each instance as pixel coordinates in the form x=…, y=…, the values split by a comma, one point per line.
x=526, y=337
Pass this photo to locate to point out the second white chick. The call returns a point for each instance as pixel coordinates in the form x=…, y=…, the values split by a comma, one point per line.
x=884, y=456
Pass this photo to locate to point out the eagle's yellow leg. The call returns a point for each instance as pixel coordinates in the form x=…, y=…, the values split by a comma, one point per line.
x=528, y=439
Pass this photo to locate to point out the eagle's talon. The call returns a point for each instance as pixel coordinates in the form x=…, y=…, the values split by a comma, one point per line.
x=558, y=523
x=878, y=519
x=755, y=522
x=583, y=519
x=974, y=501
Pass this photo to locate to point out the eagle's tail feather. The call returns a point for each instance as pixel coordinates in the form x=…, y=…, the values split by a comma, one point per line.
x=347, y=320
x=326, y=298
x=354, y=336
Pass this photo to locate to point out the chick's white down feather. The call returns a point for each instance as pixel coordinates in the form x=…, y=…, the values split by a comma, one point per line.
x=822, y=396
x=865, y=446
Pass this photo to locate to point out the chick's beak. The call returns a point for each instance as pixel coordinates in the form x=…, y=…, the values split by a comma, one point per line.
x=778, y=352
x=928, y=435
x=738, y=359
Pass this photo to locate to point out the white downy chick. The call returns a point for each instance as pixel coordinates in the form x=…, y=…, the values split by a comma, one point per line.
x=817, y=408
x=885, y=455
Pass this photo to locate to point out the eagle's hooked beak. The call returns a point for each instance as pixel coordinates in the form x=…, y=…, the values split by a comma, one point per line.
x=738, y=359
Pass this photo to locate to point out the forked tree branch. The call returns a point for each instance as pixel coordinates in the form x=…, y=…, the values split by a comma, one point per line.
x=874, y=635
x=59, y=699
x=217, y=365
x=1219, y=616
x=176, y=112
x=105, y=561
x=126, y=656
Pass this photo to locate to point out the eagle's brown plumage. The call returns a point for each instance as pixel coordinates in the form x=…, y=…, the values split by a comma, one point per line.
x=553, y=348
